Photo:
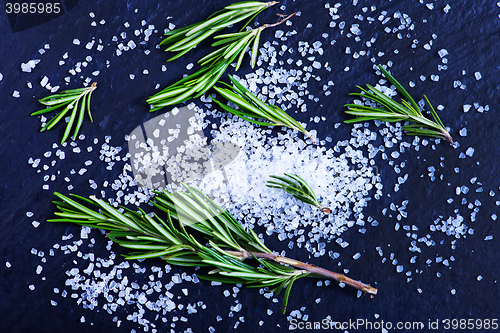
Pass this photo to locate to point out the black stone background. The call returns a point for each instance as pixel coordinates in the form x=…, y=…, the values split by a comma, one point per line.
x=470, y=32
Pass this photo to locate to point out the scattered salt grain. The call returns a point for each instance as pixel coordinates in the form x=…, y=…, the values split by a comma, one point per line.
x=443, y=53
x=469, y=152
x=478, y=76
x=44, y=81
x=487, y=238
x=76, y=41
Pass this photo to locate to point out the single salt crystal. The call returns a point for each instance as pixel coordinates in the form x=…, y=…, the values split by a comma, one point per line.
x=316, y=64
x=1, y=76
x=8, y=265
x=29, y=214
x=44, y=81
x=76, y=41
x=469, y=152
x=446, y=9
x=443, y=53
x=467, y=107
x=131, y=76
x=39, y=269
x=478, y=75
x=189, y=66
x=463, y=132
x=35, y=224
x=479, y=277
x=356, y=256
x=487, y=238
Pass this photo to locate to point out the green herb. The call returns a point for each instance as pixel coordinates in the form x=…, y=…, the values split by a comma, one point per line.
x=391, y=111
x=297, y=187
x=213, y=65
x=186, y=38
x=229, y=244
x=74, y=101
x=251, y=108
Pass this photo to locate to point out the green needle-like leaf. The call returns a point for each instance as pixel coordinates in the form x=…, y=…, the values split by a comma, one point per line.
x=74, y=100
x=391, y=111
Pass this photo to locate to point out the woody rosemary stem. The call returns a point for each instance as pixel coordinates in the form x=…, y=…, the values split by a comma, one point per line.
x=308, y=267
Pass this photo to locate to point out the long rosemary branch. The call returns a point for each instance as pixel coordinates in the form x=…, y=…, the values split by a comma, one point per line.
x=229, y=244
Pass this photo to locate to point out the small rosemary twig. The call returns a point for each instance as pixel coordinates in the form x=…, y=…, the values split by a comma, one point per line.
x=186, y=38
x=391, y=111
x=299, y=188
x=76, y=100
x=213, y=65
x=251, y=108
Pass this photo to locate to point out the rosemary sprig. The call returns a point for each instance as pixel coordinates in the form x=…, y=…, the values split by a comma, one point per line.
x=299, y=188
x=185, y=39
x=251, y=108
x=229, y=244
x=391, y=111
x=213, y=65
x=75, y=100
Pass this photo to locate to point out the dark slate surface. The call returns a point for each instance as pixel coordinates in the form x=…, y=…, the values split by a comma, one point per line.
x=469, y=32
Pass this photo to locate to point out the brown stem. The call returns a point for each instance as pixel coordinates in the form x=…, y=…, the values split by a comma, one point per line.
x=448, y=137
x=310, y=268
x=277, y=23
x=326, y=210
